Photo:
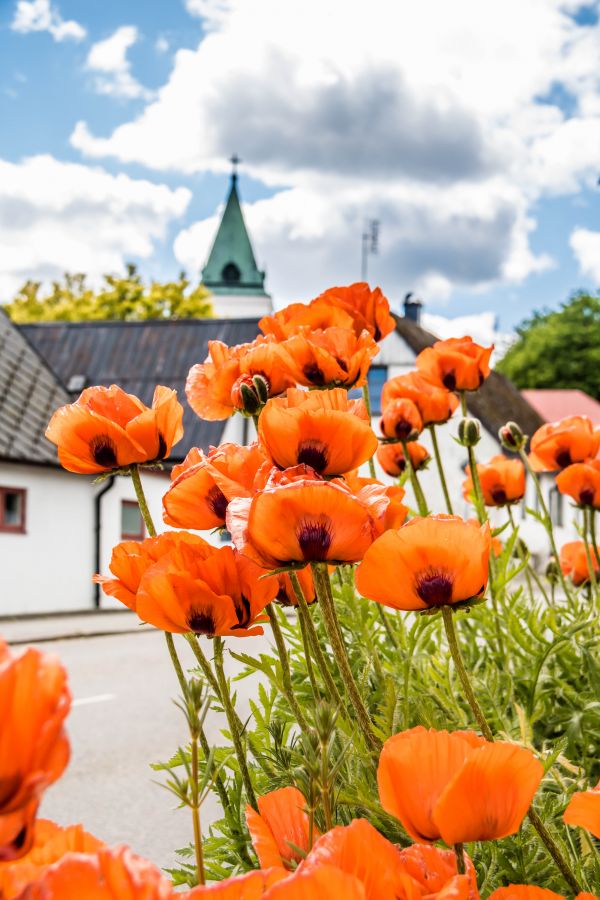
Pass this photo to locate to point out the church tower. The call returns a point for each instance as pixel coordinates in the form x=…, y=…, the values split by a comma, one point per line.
x=231, y=274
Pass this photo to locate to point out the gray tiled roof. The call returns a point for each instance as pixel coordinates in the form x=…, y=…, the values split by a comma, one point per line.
x=139, y=355
x=29, y=394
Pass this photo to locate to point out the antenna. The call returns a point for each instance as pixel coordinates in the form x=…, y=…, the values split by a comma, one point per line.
x=235, y=161
x=369, y=244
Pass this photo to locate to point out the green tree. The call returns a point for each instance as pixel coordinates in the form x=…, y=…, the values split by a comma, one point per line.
x=559, y=349
x=73, y=300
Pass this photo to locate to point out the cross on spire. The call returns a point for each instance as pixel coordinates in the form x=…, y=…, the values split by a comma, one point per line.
x=235, y=161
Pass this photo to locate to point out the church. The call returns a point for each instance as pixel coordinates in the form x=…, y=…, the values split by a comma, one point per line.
x=56, y=528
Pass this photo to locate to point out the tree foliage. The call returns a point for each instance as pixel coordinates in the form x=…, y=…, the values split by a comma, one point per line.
x=559, y=349
x=125, y=298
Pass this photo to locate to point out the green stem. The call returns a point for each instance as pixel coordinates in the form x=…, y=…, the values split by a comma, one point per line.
x=459, y=851
x=315, y=644
x=593, y=536
x=367, y=399
x=587, y=515
x=196, y=814
x=286, y=674
x=463, y=403
x=308, y=655
x=440, y=468
x=477, y=491
x=388, y=628
x=547, y=521
x=232, y=721
x=176, y=664
x=134, y=471
x=332, y=627
x=414, y=480
x=204, y=664
x=529, y=570
x=545, y=836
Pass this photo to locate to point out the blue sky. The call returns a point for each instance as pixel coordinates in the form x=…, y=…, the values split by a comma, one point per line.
x=473, y=137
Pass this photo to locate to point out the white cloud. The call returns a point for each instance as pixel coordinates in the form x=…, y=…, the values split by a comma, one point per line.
x=59, y=216
x=437, y=118
x=585, y=245
x=108, y=60
x=40, y=15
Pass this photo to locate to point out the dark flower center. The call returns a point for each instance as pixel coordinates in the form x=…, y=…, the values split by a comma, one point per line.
x=314, y=374
x=104, y=451
x=449, y=380
x=315, y=540
x=313, y=454
x=217, y=501
x=435, y=588
x=201, y=622
x=499, y=495
x=563, y=458
x=586, y=497
x=403, y=429
x=162, y=447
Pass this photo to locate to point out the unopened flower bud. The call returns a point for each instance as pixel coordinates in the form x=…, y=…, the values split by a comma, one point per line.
x=552, y=570
x=469, y=432
x=245, y=395
x=511, y=436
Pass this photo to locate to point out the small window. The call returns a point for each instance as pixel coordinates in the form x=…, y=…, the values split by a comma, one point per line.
x=556, y=507
x=132, y=524
x=376, y=379
x=231, y=273
x=12, y=510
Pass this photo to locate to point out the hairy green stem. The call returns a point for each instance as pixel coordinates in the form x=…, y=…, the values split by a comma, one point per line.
x=315, y=644
x=387, y=626
x=414, y=480
x=286, y=674
x=587, y=515
x=232, y=721
x=196, y=814
x=459, y=852
x=134, y=471
x=593, y=536
x=308, y=654
x=367, y=399
x=440, y=468
x=332, y=627
x=545, y=836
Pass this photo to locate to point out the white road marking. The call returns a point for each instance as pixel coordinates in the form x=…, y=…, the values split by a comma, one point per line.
x=99, y=698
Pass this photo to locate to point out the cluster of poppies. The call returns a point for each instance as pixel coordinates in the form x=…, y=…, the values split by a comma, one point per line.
x=296, y=507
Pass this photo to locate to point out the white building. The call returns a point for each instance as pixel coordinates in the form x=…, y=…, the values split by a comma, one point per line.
x=57, y=528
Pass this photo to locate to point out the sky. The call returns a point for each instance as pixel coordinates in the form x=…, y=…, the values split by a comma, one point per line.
x=470, y=130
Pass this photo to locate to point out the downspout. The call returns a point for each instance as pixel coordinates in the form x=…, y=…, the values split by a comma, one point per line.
x=98, y=532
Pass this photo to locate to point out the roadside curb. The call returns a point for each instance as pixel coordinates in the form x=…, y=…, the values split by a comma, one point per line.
x=76, y=636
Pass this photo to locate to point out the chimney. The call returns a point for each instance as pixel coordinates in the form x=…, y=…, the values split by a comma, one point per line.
x=412, y=308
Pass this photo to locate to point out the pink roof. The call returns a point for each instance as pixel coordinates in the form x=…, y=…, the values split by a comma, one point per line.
x=554, y=405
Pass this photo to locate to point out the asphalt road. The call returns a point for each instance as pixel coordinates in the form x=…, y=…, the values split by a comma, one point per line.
x=122, y=719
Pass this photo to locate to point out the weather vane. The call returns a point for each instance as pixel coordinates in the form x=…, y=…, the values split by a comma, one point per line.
x=235, y=161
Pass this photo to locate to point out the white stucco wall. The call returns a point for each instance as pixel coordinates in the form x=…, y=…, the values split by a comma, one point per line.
x=49, y=567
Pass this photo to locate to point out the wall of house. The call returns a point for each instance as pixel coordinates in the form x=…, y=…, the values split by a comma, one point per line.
x=48, y=567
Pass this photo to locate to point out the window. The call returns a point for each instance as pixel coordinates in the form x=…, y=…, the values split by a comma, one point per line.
x=12, y=509
x=132, y=524
x=377, y=378
x=556, y=507
x=231, y=273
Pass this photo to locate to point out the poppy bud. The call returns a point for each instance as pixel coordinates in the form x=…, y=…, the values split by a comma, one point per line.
x=246, y=394
x=552, y=571
x=261, y=386
x=469, y=432
x=511, y=436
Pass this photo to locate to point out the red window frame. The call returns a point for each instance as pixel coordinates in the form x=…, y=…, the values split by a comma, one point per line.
x=129, y=536
x=21, y=528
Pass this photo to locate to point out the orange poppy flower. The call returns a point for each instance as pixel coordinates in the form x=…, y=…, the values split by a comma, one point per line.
x=50, y=843
x=108, y=429
x=456, y=786
x=458, y=364
x=297, y=317
x=220, y=593
x=369, y=309
x=203, y=484
x=391, y=457
x=386, y=500
x=34, y=748
x=559, y=444
x=286, y=596
x=435, y=404
x=112, y=873
x=435, y=870
x=315, y=884
x=280, y=830
x=333, y=357
x=529, y=892
x=212, y=387
x=502, y=481
x=251, y=886
x=401, y=419
x=300, y=518
x=573, y=562
x=583, y=810
x=581, y=481
x=429, y=562
x=323, y=429
x=497, y=545
x=131, y=559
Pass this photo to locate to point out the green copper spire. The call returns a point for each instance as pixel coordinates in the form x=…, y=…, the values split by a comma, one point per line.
x=231, y=267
